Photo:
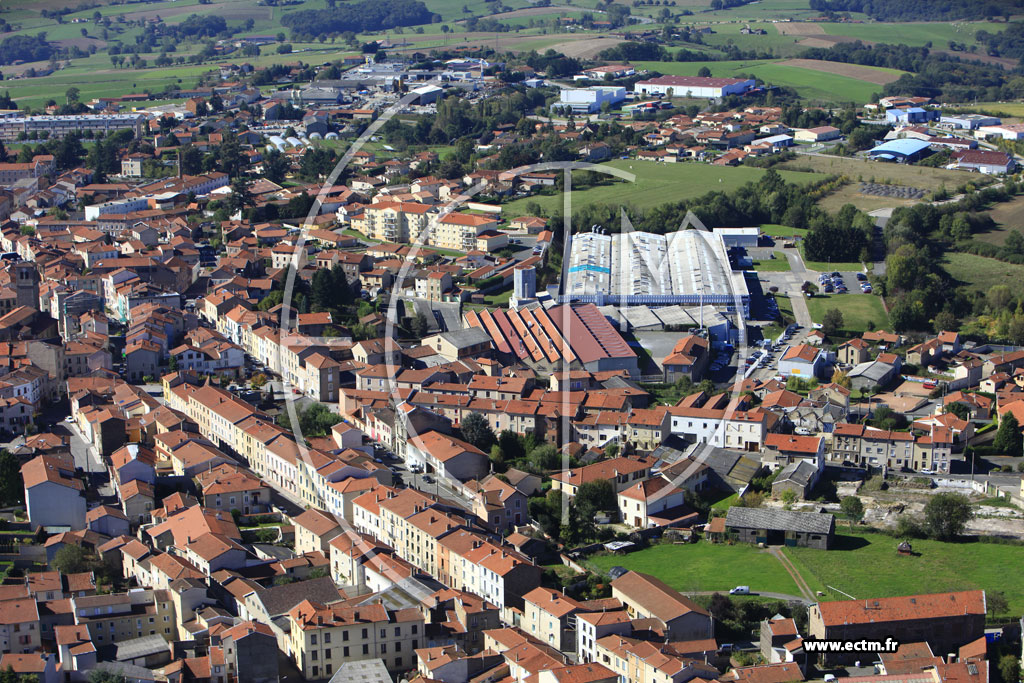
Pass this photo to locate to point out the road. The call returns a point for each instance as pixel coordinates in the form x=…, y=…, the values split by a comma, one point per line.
x=87, y=459
x=760, y=594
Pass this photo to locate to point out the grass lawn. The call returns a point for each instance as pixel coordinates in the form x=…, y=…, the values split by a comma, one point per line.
x=779, y=264
x=865, y=564
x=1004, y=108
x=858, y=310
x=725, y=503
x=656, y=183
x=978, y=272
x=499, y=299
x=1008, y=216
x=785, y=309
x=706, y=567
x=781, y=230
x=810, y=83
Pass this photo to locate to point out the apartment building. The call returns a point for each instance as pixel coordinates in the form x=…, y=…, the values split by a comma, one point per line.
x=323, y=637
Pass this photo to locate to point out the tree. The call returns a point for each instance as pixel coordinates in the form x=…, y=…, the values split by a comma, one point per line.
x=946, y=515
x=841, y=377
x=275, y=165
x=11, y=484
x=997, y=603
x=1009, y=668
x=477, y=432
x=8, y=675
x=595, y=496
x=960, y=410
x=853, y=508
x=1008, y=439
x=71, y=94
x=832, y=322
x=72, y=559
x=511, y=445
x=172, y=364
x=704, y=72
x=240, y=196
x=419, y=325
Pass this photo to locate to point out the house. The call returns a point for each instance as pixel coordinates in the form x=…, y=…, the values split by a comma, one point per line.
x=689, y=358
x=871, y=374
x=853, y=352
x=646, y=597
x=783, y=449
x=803, y=360
x=946, y=621
x=799, y=476
x=447, y=456
x=622, y=472
x=53, y=497
x=772, y=526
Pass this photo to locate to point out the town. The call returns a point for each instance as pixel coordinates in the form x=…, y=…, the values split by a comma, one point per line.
x=455, y=364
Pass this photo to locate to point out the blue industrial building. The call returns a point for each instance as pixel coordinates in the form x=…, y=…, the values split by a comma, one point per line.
x=903, y=150
x=911, y=115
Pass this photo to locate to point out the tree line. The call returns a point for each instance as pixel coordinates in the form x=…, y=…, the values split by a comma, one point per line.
x=25, y=48
x=368, y=15
x=910, y=10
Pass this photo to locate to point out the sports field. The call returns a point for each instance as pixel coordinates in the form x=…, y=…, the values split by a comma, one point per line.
x=865, y=564
x=810, y=83
x=656, y=183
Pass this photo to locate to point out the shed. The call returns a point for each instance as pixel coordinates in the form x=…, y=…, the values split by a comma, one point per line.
x=781, y=527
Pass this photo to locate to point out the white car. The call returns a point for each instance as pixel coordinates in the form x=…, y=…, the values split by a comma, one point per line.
x=817, y=326
x=69, y=418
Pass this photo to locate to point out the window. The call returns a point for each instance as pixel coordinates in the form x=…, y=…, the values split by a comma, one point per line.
x=316, y=672
x=383, y=648
x=383, y=633
x=415, y=627
x=327, y=638
x=314, y=656
x=344, y=636
x=398, y=661
x=312, y=639
x=398, y=646
x=366, y=649
x=398, y=631
x=366, y=633
x=327, y=653
x=344, y=651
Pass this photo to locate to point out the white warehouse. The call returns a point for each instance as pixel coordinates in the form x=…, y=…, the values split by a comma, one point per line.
x=694, y=86
x=688, y=267
x=589, y=100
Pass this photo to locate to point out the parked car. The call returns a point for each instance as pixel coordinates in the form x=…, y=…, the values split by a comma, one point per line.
x=740, y=590
x=862, y=276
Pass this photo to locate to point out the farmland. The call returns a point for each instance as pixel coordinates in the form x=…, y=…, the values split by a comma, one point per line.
x=656, y=183
x=809, y=83
x=866, y=564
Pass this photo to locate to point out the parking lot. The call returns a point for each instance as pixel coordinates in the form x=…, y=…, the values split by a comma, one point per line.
x=844, y=283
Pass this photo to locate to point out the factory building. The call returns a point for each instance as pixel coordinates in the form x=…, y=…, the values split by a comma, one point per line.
x=687, y=267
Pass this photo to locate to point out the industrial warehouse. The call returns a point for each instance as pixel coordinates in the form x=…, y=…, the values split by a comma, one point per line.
x=689, y=267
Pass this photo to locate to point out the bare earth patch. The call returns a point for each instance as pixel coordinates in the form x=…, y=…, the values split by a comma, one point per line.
x=861, y=73
x=830, y=41
x=586, y=49
x=81, y=43
x=799, y=28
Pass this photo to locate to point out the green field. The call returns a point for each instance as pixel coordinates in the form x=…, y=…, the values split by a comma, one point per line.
x=981, y=273
x=779, y=264
x=866, y=565
x=706, y=567
x=858, y=310
x=810, y=84
x=656, y=183
x=781, y=230
x=914, y=34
